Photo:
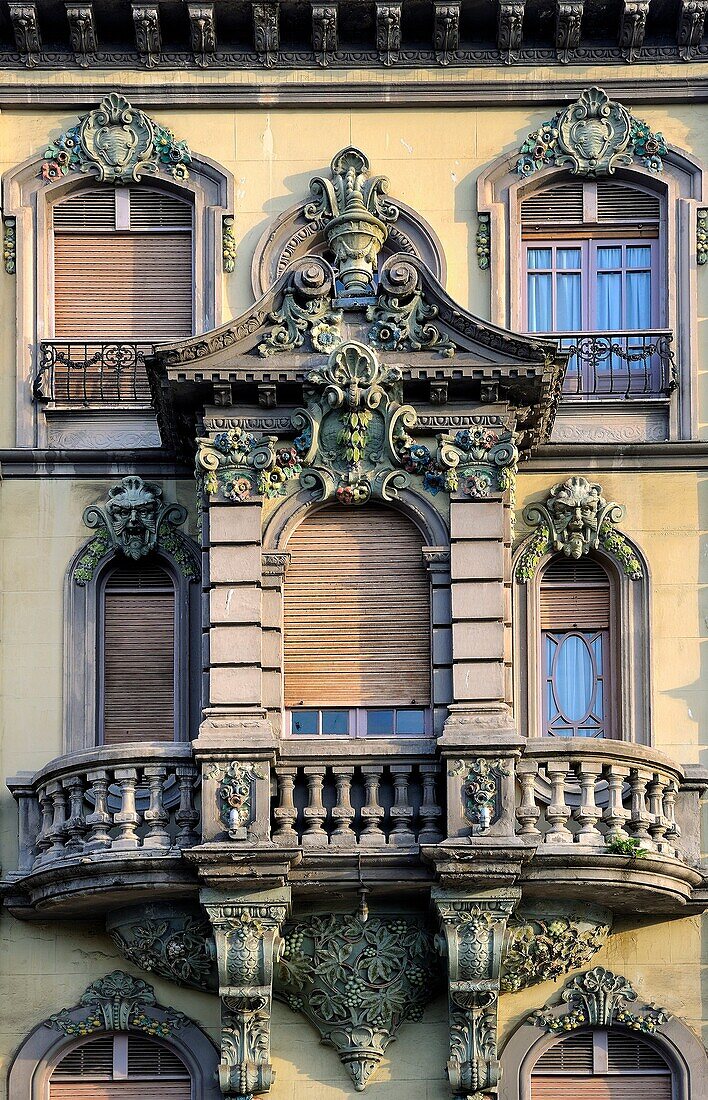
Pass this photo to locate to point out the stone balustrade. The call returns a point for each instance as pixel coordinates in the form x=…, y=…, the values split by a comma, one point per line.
x=603, y=795
x=366, y=805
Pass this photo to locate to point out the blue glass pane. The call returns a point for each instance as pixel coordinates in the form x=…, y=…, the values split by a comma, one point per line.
x=539, y=259
x=609, y=301
x=638, y=299
x=335, y=723
x=574, y=678
x=304, y=722
x=540, y=303
x=568, y=305
x=638, y=255
x=410, y=722
x=379, y=723
x=609, y=257
x=568, y=259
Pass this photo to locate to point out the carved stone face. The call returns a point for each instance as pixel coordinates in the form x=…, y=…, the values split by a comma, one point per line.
x=133, y=510
x=576, y=507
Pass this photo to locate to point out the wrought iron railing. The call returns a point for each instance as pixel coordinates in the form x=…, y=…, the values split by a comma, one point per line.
x=73, y=372
x=619, y=364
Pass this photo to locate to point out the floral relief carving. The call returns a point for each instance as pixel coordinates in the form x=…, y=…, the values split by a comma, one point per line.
x=9, y=244
x=599, y=998
x=175, y=943
x=574, y=519
x=480, y=789
x=540, y=948
x=357, y=981
x=117, y=143
x=592, y=137
x=117, y=1002
x=402, y=318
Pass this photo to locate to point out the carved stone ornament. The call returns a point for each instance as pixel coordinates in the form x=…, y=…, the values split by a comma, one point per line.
x=484, y=234
x=148, y=38
x=228, y=244
x=472, y=940
x=446, y=31
x=353, y=443
x=235, y=794
x=9, y=244
x=324, y=32
x=599, y=998
x=574, y=519
x=550, y=939
x=117, y=1002
x=569, y=19
x=357, y=980
x=25, y=25
x=82, y=33
x=633, y=27
x=355, y=212
x=266, y=31
x=510, y=29
x=592, y=137
x=481, y=794
x=701, y=236
x=388, y=31
x=117, y=143
x=401, y=316
x=172, y=941
x=248, y=941
x=691, y=25
x=202, y=31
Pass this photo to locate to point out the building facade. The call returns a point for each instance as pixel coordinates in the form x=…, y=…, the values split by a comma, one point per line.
x=352, y=508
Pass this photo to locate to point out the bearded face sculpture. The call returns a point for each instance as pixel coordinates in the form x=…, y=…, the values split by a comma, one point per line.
x=133, y=510
x=576, y=508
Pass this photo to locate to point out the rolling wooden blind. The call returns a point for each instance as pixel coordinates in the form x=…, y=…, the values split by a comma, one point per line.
x=138, y=655
x=97, y=1071
x=619, y=1087
x=575, y=594
x=357, y=611
x=122, y=268
x=599, y=1065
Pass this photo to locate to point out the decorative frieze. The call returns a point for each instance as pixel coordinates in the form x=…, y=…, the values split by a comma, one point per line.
x=117, y=143
x=266, y=31
x=202, y=32
x=446, y=31
x=324, y=32
x=82, y=33
x=388, y=30
x=117, y=1002
x=599, y=998
x=691, y=25
x=357, y=979
x=574, y=519
x=148, y=39
x=484, y=240
x=9, y=244
x=247, y=935
x=25, y=26
x=633, y=27
x=510, y=29
x=592, y=137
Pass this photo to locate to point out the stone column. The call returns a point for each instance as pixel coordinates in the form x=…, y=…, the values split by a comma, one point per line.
x=473, y=926
x=247, y=932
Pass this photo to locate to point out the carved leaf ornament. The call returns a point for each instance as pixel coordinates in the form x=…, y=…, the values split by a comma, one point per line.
x=599, y=998
x=117, y=1002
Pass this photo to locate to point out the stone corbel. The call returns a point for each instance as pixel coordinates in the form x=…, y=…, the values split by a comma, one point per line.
x=25, y=26
x=691, y=24
x=446, y=31
x=324, y=32
x=266, y=31
x=202, y=31
x=472, y=939
x=248, y=942
x=569, y=17
x=510, y=30
x=633, y=27
x=148, y=38
x=82, y=32
x=388, y=31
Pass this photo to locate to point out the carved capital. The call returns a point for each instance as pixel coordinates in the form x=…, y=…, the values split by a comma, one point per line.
x=446, y=31
x=510, y=30
x=148, y=40
x=633, y=27
x=388, y=30
x=324, y=32
x=202, y=31
x=266, y=31
x=25, y=26
x=472, y=939
x=82, y=32
x=247, y=935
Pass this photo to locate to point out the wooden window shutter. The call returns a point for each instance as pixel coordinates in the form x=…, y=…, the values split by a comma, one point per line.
x=575, y=594
x=357, y=611
x=122, y=268
x=633, y=1070
x=138, y=688
x=91, y=1072
x=624, y=1087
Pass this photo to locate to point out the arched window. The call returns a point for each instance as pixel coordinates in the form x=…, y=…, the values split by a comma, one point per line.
x=593, y=263
x=609, y=1064
x=123, y=275
x=120, y=1067
x=357, y=625
x=576, y=649
x=138, y=630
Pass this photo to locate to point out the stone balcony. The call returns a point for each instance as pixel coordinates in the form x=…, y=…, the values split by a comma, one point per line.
x=567, y=819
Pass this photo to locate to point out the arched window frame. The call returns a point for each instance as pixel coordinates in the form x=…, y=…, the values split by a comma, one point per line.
x=673, y=1040
x=630, y=620
x=44, y=1048
x=83, y=647
x=29, y=199
x=500, y=192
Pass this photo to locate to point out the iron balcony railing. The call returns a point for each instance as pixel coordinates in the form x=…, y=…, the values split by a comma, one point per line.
x=619, y=364
x=73, y=372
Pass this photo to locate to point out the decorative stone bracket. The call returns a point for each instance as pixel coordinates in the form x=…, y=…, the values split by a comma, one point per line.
x=472, y=940
x=248, y=941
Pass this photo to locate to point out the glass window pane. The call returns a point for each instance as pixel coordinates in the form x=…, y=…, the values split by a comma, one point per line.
x=568, y=259
x=638, y=299
x=609, y=301
x=574, y=678
x=335, y=723
x=410, y=722
x=379, y=723
x=304, y=722
x=539, y=259
x=568, y=305
x=609, y=257
x=540, y=303
x=639, y=255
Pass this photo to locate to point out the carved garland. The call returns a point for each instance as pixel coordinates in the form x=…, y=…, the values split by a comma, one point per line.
x=117, y=1002
x=574, y=519
x=540, y=950
x=600, y=998
x=593, y=136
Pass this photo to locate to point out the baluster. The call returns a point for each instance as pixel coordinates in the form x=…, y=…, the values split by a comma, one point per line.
x=187, y=815
x=639, y=815
x=285, y=813
x=372, y=811
x=76, y=824
x=343, y=811
x=156, y=817
x=528, y=812
x=401, y=811
x=100, y=821
x=658, y=825
x=57, y=831
x=558, y=811
x=315, y=835
x=588, y=813
x=615, y=815
x=127, y=819
x=673, y=831
x=43, y=842
x=430, y=812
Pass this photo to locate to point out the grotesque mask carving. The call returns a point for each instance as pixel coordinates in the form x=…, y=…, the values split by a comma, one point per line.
x=132, y=516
